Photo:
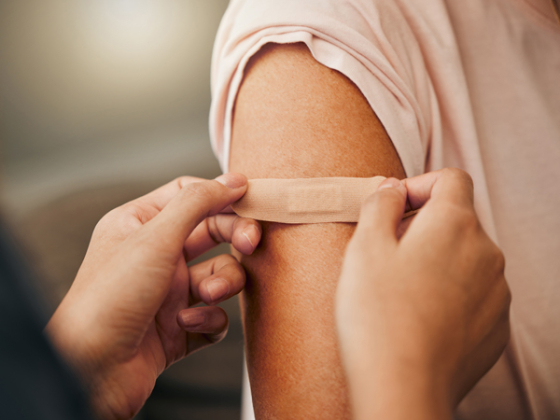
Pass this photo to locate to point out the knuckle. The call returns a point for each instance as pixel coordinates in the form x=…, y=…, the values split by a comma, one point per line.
x=463, y=217
x=500, y=260
x=459, y=175
x=228, y=260
x=505, y=333
x=455, y=173
x=213, y=230
x=216, y=338
x=222, y=326
x=506, y=317
x=199, y=191
x=451, y=171
x=495, y=258
x=508, y=296
x=509, y=300
x=108, y=220
x=471, y=223
x=120, y=221
x=183, y=181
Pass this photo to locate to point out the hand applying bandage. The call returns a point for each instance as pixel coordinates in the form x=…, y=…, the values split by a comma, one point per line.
x=420, y=318
x=129, y=313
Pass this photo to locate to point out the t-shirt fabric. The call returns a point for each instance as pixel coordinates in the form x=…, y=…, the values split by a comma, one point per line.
x=469, y=84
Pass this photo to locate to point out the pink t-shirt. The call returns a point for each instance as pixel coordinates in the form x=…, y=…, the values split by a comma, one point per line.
x=473, y=84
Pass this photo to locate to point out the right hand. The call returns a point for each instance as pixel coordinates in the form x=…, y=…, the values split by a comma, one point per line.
x=131, y=311
x=422, y=317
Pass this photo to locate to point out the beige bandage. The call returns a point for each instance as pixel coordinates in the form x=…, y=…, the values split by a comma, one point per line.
x=306, y=200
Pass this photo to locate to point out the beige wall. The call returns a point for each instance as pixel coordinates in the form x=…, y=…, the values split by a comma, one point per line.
x=102, y=91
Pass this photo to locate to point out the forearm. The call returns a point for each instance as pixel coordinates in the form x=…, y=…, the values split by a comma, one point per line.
x=394, y=390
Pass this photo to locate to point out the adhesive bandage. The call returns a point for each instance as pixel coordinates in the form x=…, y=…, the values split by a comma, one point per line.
x=306, y=200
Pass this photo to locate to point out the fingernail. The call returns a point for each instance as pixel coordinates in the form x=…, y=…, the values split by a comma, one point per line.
x=390, y=183
x=232, y=180
x=247, y=233
x=192, y=319
x=217, y=289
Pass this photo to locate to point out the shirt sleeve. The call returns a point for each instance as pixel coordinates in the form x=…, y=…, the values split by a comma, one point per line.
x=370, y=42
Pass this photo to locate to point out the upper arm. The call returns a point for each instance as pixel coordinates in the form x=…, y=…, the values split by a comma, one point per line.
x=295, y=118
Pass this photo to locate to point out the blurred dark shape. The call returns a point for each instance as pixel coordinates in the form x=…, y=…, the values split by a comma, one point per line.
x=34, y=382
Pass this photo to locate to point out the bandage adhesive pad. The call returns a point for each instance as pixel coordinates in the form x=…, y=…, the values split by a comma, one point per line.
x=306, y=200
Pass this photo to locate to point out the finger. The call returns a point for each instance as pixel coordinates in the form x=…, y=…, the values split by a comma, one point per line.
x=403, y=225
x=149, y=256
x=192, y=205
x=244, y=234
x=149, y=205
x=204, y=319
x=449, y=184
x=145, y=208
x=216, y=280
x=206, y=325
x=382, y=212
x=161, y=196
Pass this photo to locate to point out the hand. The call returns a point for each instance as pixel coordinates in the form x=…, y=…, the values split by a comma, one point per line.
x=128, y=315
x=422, y=317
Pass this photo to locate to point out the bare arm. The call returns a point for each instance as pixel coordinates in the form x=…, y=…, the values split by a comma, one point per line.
x=296, y=118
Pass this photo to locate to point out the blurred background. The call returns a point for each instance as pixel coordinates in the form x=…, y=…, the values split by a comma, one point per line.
x=100, y=102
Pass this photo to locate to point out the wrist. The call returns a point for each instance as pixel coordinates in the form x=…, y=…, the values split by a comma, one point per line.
x=79, y=358
x=398, y=391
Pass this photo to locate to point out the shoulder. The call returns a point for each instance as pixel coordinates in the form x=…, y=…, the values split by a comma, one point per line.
x=376, y=44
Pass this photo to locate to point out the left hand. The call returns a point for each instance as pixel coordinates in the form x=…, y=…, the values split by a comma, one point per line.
x=128, y=315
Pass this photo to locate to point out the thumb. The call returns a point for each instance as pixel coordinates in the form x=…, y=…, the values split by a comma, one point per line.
x=150, y=255
x=382, y=212
x=192, y=205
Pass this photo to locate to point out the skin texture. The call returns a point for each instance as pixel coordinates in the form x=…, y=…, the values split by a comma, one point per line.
x=128, y=315
x=296, y=118
x=423, y=316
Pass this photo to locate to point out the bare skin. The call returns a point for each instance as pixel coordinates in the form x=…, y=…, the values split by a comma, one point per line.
x=128, y=314
x=296, y=118
x=420, y=317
